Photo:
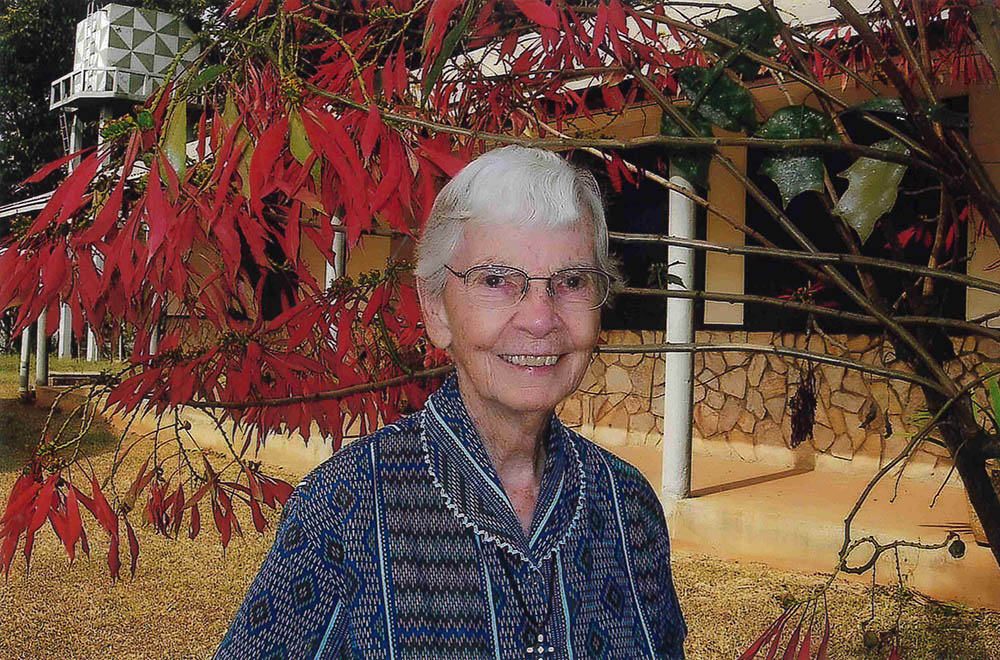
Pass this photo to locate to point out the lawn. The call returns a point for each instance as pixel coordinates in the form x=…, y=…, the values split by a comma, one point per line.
x=185, y=592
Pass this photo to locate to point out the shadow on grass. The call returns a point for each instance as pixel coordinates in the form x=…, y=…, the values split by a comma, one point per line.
x=21, y=424
x=21, y=427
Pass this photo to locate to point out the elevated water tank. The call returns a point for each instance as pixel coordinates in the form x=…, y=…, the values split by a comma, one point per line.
x=122, y=53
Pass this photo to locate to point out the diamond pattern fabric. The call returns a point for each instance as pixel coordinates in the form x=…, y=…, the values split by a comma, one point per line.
x=405, y=545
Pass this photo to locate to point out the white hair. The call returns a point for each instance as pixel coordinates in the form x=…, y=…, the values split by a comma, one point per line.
x=514, y=186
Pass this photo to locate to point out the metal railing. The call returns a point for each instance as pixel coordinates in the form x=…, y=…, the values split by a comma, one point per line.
x=100, y=83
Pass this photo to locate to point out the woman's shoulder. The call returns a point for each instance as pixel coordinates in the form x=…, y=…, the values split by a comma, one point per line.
x=597, y=459
x=350, y=468
x=613, y=478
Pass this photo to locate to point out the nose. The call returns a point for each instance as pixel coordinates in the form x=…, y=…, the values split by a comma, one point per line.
x=536, y=313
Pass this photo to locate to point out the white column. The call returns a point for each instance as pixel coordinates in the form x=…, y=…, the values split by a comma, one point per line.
x=679, y=372
x=93, y=355
x=65, y=332
x=335, y=268
x=24, y=381
x=93, y=348
x=42, y=352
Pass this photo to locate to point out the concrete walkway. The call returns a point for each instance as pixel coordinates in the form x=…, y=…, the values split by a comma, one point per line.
x=793, y=518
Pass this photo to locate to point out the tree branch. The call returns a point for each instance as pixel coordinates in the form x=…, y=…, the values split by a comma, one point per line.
x=822, y=358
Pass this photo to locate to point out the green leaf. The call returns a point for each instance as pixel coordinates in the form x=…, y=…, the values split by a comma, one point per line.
x=872, y=189
x=723, y=102
x=796, y=171
x=144, y=119
x=205, y=77
x=755, y=30
x=298, y=144
x=994, y=392
x=887, y=104
x=448, y=45
x=945, y=116
x=794, y=175
x=797, y=122
x=661, y=278
x=691, y=163
x=230, y=115
x=175, y=137
x=939, y=112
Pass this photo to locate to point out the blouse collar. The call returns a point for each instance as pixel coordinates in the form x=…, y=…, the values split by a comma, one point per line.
x=470, y=486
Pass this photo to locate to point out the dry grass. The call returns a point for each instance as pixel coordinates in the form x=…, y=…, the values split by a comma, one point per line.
x=185, y=592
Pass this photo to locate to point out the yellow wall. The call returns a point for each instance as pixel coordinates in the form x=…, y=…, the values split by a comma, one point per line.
x=985, y=138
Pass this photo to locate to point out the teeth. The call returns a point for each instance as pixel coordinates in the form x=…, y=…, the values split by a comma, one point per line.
x=531, y=360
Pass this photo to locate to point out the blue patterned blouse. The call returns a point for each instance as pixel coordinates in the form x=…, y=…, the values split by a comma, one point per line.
x=405, y=545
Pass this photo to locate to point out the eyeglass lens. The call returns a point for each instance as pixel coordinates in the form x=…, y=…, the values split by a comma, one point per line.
x=499, y=287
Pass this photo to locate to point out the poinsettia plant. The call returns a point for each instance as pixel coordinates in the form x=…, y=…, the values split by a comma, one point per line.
x=199, y=217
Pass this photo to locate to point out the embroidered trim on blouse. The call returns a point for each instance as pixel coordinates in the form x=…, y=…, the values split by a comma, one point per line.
x=467, y=522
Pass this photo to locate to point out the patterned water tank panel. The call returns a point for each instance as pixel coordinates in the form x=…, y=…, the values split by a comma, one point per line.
x=141, y=42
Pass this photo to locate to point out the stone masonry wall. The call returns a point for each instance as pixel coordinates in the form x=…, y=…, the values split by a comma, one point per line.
x=741, y=398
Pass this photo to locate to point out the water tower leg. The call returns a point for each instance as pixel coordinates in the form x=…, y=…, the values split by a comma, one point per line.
x=65, y=332
x=42, y=353
x=91, y=346
x=24, y=381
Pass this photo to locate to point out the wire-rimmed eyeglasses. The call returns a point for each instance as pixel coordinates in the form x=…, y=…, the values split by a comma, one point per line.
x=499, y=287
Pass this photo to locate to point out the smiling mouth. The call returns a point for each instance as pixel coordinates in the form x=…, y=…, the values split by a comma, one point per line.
x=531, y=360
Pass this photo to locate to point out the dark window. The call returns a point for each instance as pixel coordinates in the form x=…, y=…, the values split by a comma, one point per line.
x=640, y=209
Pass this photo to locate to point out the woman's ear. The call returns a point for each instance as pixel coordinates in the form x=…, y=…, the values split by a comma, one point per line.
x=435, y=316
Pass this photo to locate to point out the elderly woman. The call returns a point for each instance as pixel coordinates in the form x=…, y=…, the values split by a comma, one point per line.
x=481, y=527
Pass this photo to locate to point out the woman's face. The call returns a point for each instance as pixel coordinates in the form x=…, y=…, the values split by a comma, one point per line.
x=486, y=343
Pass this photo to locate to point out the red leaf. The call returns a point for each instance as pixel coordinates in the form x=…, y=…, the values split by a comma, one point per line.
x=74, y=522
x=41, y=511
x=258, y=517
x=773, y=630
x=178, y=509
x=616, y=17
x=372, y=130
x=777, y=635
x=804, y=651
x=437, y=22
x=52, y=167
x=108, y=520
x=793, y=643
x=221, y=517
x=195, y=526
x=158, y=212
x=448, y=162
x=825, y=642
x=262, y=162
x=69, y=196
x=599, y=27
x=509, y=43
x=282, y=490
x=375, y=304
x=539, y=12
x=133, y=547
x=107, y=216
x=613, y=98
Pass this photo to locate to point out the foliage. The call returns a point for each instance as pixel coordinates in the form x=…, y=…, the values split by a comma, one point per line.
x=313, y=121
x=872, y=192
x=29, y=133
x=796, y=173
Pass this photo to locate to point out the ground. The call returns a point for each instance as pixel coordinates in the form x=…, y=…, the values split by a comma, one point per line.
x=185, y=592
